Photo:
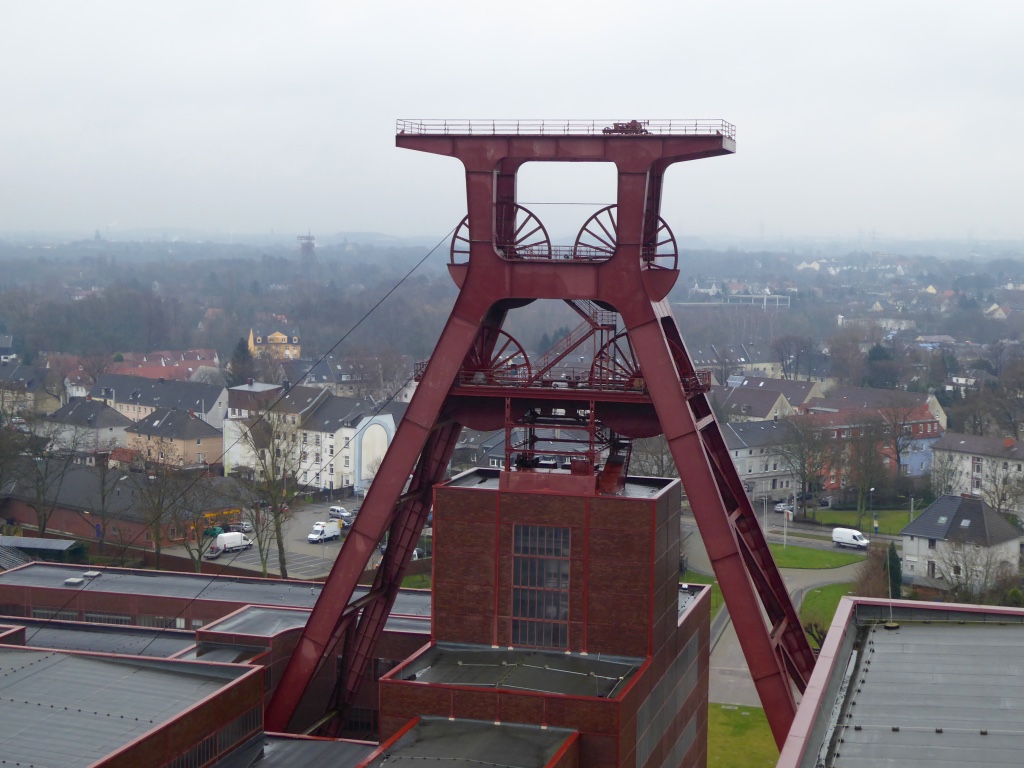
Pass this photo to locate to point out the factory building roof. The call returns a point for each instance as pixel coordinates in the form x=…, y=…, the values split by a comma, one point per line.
x=941, y=688
x=72, y=709
x=191, y=586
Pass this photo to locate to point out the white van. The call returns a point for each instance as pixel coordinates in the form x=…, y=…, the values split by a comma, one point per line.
x=228, y=542
x=324, y=530
x=848, y=537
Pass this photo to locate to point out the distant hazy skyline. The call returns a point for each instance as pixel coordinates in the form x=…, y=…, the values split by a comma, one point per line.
x=895, y=119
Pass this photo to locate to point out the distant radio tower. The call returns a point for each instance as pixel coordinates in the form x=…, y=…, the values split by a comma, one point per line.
x=307, y=250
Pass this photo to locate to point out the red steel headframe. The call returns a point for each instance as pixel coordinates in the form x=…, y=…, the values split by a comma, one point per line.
x=503, y=271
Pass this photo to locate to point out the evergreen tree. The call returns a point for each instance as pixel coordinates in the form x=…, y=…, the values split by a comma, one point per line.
x=242, y=367
x=895, y=572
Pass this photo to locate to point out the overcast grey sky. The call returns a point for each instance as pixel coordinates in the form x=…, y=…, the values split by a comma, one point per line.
x=898, y=118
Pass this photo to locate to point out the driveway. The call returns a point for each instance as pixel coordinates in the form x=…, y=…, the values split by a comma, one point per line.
x=730, y=681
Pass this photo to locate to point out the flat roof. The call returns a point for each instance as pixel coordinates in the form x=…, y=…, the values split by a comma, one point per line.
x=688, y=594
x=471, y=744
x=193, y=586
x=291, y=751
x=944, y=688
x=487, y=478
x=72, y=709
x=260, y=621
x=539, y=671
x=101, y=638
x=32, y=542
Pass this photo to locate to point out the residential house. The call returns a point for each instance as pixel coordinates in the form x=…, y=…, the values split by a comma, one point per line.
x=796, y=392
x=338, y=442
x=844, y=398
x=252, y=398
x=137, y=397
x=271, y=344
x=754, y=449
x=7, y=353
x=959, y=541
x=91, y=426
x=750, y=403
x=23, y=390
x=175, y=437
x=989, y=467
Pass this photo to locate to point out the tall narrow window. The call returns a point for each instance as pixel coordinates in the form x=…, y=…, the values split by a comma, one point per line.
x=540, y=587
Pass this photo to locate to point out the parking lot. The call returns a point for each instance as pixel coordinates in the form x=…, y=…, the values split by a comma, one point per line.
x=304, y=560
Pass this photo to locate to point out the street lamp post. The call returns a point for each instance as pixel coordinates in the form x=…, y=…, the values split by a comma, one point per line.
x=871, y=508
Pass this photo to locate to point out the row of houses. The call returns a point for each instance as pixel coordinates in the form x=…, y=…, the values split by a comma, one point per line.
x=338, y=442
x=760, y=437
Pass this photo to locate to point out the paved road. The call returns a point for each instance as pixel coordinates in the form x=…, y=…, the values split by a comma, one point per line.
x=730, y=681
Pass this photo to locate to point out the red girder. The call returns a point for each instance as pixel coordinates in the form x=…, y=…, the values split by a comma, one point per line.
x=668, y=398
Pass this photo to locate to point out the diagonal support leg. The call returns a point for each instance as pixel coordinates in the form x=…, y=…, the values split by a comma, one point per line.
x=384, y=505
x=746, y=572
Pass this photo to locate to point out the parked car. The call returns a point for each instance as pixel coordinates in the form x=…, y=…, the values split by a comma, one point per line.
x=213, y=531
x=246, y=526
x=783, y=507
x=342, y=515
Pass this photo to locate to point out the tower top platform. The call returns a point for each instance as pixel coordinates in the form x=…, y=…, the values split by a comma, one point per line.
x=631, y=128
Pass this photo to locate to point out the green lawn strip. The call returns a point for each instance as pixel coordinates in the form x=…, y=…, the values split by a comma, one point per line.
x=821, y=602
x=693, y=577
x=890, y=521
x=793, y=556
x=739, y=737
x=422, y=581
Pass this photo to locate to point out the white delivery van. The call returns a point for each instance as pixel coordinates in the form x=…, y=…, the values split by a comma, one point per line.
x=848, y=537
x=228, y=542
x=324, y=531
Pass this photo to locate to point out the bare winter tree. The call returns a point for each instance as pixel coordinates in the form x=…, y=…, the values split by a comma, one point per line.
x=972, y=572
x=50, y=454
x=272, y=446
x=1002, y=486
x=198, y=496
x=949, y=476
x=863, y=458
x=807, y=452
x=897, y=411
x=651, y=457
x=158, y=490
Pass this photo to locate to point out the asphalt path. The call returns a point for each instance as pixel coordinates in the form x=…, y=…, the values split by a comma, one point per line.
x=730, y=681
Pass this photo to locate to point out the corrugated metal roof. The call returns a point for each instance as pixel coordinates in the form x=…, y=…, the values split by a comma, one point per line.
x=934, y=694
x=102, y=638
x=245, y=591
x=70, y=710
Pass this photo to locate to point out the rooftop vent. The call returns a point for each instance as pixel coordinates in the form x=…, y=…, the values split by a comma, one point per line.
x=92, y=574
x=74, y=581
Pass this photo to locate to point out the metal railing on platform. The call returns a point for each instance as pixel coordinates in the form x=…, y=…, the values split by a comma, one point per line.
x=696, y=127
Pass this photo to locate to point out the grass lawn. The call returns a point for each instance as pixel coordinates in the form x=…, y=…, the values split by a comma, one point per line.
x=822, y=602
x=739, y=737
x=692, y=577
x=890, y=521
x=422, y=581
x=806, y=557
